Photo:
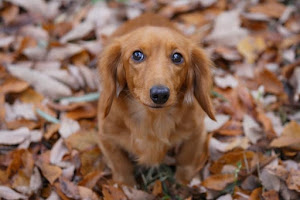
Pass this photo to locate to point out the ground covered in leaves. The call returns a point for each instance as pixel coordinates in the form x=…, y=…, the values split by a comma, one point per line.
x=48, y=92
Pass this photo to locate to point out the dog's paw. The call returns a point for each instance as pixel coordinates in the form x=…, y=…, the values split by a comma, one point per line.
x=184, y=174
x=126, y=180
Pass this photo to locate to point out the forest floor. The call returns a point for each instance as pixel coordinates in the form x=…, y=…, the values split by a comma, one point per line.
x=48, y=99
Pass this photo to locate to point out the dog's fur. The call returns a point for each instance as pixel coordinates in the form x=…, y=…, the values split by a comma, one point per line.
x=128, y=121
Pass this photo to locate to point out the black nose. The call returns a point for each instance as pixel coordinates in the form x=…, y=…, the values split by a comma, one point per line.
x=159, y=94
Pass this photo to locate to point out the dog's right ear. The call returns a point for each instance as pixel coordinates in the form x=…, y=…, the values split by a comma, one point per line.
x=112, y=78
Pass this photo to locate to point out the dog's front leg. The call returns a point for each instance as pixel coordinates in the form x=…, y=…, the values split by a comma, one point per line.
x=191, y=157
x=118, y=162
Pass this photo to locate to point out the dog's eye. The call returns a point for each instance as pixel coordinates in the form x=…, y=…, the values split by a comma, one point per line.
x=138, y=56
x=177, y=58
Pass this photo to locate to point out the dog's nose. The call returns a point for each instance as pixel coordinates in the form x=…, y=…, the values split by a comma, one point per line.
x=159, y=94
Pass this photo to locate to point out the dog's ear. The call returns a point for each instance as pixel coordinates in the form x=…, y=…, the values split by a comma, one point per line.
x=112, y=78
x=199, y=81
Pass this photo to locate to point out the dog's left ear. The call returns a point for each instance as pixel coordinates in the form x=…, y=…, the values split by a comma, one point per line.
x=199, y=78
x=112, y=77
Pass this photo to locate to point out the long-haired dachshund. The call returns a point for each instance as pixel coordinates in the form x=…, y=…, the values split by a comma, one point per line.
x=155, y=93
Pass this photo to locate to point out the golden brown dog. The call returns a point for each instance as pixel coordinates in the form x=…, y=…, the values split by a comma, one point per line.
x=155, y=89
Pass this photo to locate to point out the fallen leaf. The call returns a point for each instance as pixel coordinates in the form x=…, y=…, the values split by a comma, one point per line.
x=78, y=32
x=19, y=123
x=270, y=82
x=68, y=127
x=91, y=179
x=57, y=152
x=252, y=129
x=221, y=34
x=86, y=193
x=293, y=180
x=271, y=9
x=225, y=197
x=50, y=172
x=19, y=110
x=295, y=82
x=35, y=180
x=7, y=193
x=14, y=136
x=64, y=52
x=82, y=140
x=218, y=182
x=270, y=195
x=211, y=125
x=134, y=194
x=233, y=158
x=157, y=188
x=112, y=193
x=290, y=137
x=226, y=81
x=86, y=111
x=231, y=128
x=69, y=188
x=250, y=47
x=269, y=181
x=255, y=194
x=14, y=85
x=41, y=82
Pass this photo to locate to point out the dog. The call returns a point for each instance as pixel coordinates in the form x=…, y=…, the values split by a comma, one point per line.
x=155, y=90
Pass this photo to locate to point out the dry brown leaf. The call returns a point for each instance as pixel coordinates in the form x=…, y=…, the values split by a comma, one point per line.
x=69, y=188
x=231, y=128
x=293, y=180
x=112, y=193
x=12, y=84
x=218, y=182
x=82, y=140
x=51, y=129
x=134, y=194
x=270, y=195
x=289, y=138
x=250, y=47
x=50, y=172
x=269, y=181
x=8, y=193
x=271, y=9
x=57, y=152
x=211, y=125
x=255, y=194
x=157, y=188
x=68, y=127
x=223, y=35
x=41, y=82
x=78, y=32
x=31, y=96
x=86, y=111
x=14, y=136
x=270, y=81
x=90, y=180
x=228, y=81
x=252, y=129
x=232, y=158
x=9, y=14
x=22, y=123
x=224, y=197
x=86, y=193
x=64, y=52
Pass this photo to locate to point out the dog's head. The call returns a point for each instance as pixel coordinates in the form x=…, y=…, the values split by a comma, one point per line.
x=159, y=66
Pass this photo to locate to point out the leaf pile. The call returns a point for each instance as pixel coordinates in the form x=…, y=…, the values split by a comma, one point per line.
x=49, y=84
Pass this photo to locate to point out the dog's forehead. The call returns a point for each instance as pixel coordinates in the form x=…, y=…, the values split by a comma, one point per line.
x=155, y=36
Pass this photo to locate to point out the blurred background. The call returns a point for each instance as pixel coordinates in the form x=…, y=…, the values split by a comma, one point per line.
x=49, y=91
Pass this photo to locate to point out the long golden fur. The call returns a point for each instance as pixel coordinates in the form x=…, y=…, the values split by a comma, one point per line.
x=129, y=121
